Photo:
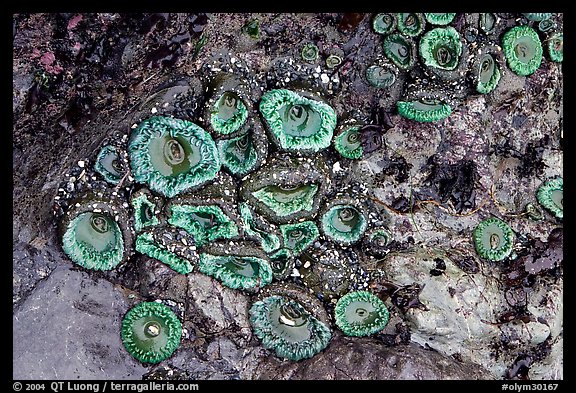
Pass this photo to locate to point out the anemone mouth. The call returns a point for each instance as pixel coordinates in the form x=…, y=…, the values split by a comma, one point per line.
x=410, y=25
x=205, y=222
x=297, y=123
x=360, y=313
x=299, y=236
x=523, y=50
x=349, y=144
x=286, y=327
x=148, y=245
x=424, y=109
x=228, y=113
x=172, y=155
x=109, y=164
x=94, y=241
x=151, y=332
x=493, y=239
x=384, y=23
x=441, y=48
x=286, y=200
x=344, y=223
x=400, y=50
x=381, y=76
x=551, y=196
x=237, y=272
x=440, y=19
x=556, y=47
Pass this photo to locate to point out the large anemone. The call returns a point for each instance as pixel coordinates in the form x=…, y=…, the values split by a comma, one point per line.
x=292, y=324
x=441, y=48
x=299, y=236
x=401, y=50
x=298, y=122
x=172, y=155
x=493, y=239
x=95, y=233
x=227, y=108
x=237, y=264
x=523, y=50
x=169, y=246
x=151, y=332
x=344, y=220
x=440, y=19
x=287, y=188
x=411, y=24
x=551, y=196
x=360, y=313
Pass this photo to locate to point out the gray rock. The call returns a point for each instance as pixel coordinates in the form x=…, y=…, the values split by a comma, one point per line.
x=69, y=328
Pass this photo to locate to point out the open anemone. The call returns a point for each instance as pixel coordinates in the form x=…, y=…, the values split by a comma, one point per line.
x=110, y=164
x=493, y=239
x=172, y=155
x=546, y=25
x=344, y=220
x=384, y=23
x=287, y=188
x=376, y=242
x=299, y=236
x=244, y=153
x=523, y=50
x=401, y=50
x=258, y=229
x=227, y=108
x=147, y=209
x=441, y=48
x=538, y=16
x=237, y=264
x=169, y=246
x=292, y=324
x=282, y=263
x=551, y=196
x=309, y=52
x=424, y=105
x=487, y=22
x=151, y=332
x=411, y=25
x=485, y=69
x=348, y=142
x=440, y=19
x=95, y=234
x=382, y=75
x=360, y=313
x=297, y=122
x=555, y=45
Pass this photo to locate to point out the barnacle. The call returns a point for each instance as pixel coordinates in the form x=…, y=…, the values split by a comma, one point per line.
x=401, y=50
x=523, y=50
x=410, y=25
x=343, y=220
x=384, y=23
x=146, y=209
x=550, y=196
x=297, y=122
x=360, y=313
x=109, y=164
x=348, y=143
x=555, y=45
x=440, y=19
x=441, y=48
x=151, y=332
x=171, y=155
x=299, y=236
x=493, y=239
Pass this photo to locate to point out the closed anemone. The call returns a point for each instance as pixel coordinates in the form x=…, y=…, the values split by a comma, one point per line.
x=551, y=196
x=297, y=123
x=258, y=229
x=94, y=241
x=151, y=332
x=237, y=272
x=523, y=50
x=287, y=328
x=344, y=223
x=410, y=24
x=205, y=222
x=487, y=22
x=147, y=244
x=360, y=313
x=309, y=52
x=493, y=239
x=172, y=155
x=384, y=23
x=109, y=164
x=348, y=143
x=145, y=209
x=400, y=50
x=228, y=113
x=441, y=48
x=287, y=199
x=555, y=45
x=440, y=19
x=299, y=236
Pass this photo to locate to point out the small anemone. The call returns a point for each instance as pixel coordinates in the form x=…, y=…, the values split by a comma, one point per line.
x=382, y=75
x=146, y=209
x=360, y=313
x=384, y=23
x=296, y=122
x=227, y=107
x=151, y=332
x=523, y=50
x=546, y=25
x=333, y=61
x=244, y=153
x=485, y=69
x=309, y=52
x=172, y=155
x=555, y=45
x=299, y=236
x=551, y=196
x=376, y=241
x=282, y=263
x=286, y=327
x=411, y=25
x=147, y=244
x=539, y=16
x=493, y=239
x=238, y=265
x=440, y=19
x=441, y=48
x=258, y=229
x=344, y=221
x=109, y=164
x=205, y=222
x=487, y=22
x=401, y=50
x=348, y=143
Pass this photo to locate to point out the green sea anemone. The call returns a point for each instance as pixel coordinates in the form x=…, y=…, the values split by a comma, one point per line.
x=172, y=155
x=109, y=164
x=384, y=23
x=401, y=50
x=493, y=239
x=485, y=69
x=348, y=143
x=551, y=196
x=546, y=25
x=227, y=107
x=244, y=153
x=376, y=241
x=487, y=22
x=381, y=75
x=360, y=313
x=256, y=228
x=146, y=209
x=555, y=45
x=440, y=19
x=296, y=122
x=424, y=109
x=286, y=327
x=147, y=243
x=410, y=25
x=333, y=61
x=538, y=16
x=441, y=48
x=299, y=236
x=523, y=50
x=343, y=221
x=151, y=332
x=309, y=52
x=282, y=263
x=205, y=222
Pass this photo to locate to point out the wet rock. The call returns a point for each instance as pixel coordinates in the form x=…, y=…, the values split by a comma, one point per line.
x=68, y=328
